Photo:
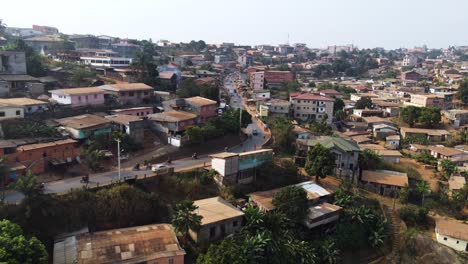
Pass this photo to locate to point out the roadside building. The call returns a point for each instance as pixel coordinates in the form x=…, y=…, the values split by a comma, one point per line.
x=257, y=80
x=76, y=97
x=84, y=126
x=39, y=156
x=432, y=135
x=392, y=142
x=133, y=126
x=29, y=105
x=155, y=243
x=8, y=111
x=238, y=168
x=384, y=182
x=134, y=111
x=273, y=107
x=452, y=233
x=219, y=219
x=261, y=94
x=390, y=109
x=172, y=122
x=134, y=93
x=205, y=108
x=309, y=107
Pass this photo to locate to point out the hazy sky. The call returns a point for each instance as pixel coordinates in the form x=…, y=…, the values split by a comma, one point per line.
x=365, y=23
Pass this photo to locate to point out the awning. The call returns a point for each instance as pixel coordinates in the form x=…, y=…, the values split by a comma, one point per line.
x=56, y=162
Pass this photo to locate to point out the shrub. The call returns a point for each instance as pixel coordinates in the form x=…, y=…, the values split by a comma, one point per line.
x=413, y=215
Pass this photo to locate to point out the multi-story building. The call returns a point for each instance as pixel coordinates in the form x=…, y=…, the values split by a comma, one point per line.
x=276, y=78
x=76, y=97
x=456, y=117
x=133, y=93
x=257, y=80
x=409, y=61
x=440, y=101
x=310, y=107
x=12, y=62
x=274, y=107
x=205, y=108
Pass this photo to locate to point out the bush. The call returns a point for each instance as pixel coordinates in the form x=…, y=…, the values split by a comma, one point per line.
x=413, y=215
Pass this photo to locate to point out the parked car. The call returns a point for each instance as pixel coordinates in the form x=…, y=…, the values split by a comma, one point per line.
x=159, y=167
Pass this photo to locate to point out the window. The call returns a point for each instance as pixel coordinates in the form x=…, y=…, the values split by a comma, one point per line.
x=445, y=238
x=18, y=112
x=212, y=231
x=171, y=261
x=458, y=241
x=2, y=113
x=131, y=93
x=234, y=224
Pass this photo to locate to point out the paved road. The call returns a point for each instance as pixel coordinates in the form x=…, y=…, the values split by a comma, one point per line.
x=65, y=185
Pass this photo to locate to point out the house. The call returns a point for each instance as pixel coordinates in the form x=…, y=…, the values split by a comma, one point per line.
x=8, y=111
x=205, y=108
x=219, y=219
x=330, y=93
x=384, y=182
x=170, y=78
x=392, y=142
x=273, y=107
x=346, y=151
x=172, y=122
x=76, y=97
x=442, y=152
x=133, y=126
x=133, y=93
x=12, y=63
x=409, y=61
x=155, y=243
x=310, y=107
x=452, y=233
x=85, y=126
x=29, y=105
x=392, y=156
x=358, y=96
x=15, y=84
x=45, y=44
x=261, y=94
x=37, y=157
x=238, y=168
x=278, y=78
x=382, y=131
x=456, y=117
x=427, y=100
x=410, y=76
x=320, y=212
x=134, y=111
x=390, y=109
x=432, y=135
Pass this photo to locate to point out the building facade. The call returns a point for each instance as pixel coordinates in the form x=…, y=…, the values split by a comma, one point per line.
x=309, y=107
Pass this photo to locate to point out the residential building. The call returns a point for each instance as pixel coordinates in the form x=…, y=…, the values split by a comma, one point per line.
x=390, y=109
x=432, y=135
x=108, y=62
x=29, y=105
x=15, y=84
x=12, y=62
x=442, y=152
x=239, y=168
x=76, y=97
x=125, y=49
x=8, y=111
x=358, y=96
x=45, y=44
x=410, y=76
x=382, y=131
x=85, y=126
x=261, y=94
x=452, y=233
x=409, y=61
x=39, y=156
x=278, y=78
x=392, y=142
x=172, y=122
x=219, y=219
x=257, y=80
x=320, y=212
x=427, y=100
x=156, y=244
x=205, y=108
x=346, y=151
x=309, y=107
x=134, y=111
x=384, y=182
x=273, y=107
x=134, y=93
x=133, y=126
x=455, y=184
x=456, y=117
x=46, y=29
x=330, y=93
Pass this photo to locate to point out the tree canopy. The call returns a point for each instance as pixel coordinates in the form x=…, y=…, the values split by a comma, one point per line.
x=462, y=91
x=320, y=162
x=429, y=117
x=185, y=218
x=16, y=248
x=292, y=201
x=363, y=103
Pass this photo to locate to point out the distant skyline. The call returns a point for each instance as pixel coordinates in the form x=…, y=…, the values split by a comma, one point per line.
x=364, y=23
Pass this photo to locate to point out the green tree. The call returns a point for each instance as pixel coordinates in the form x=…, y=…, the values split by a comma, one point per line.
x=404, y=194
x=321, y=127
x=410, y=115
x=422, y=188
x=462, y=92
x=16, y=248
x=430, y=116
x=281, y=130
x=363, y=103
x=81, y=76
x=329, y=252
x=2, y=27
x=320, y=162
x=194, y=134
x=26, y=184
x=448, y=166
x=292, y=201
x=144, y=65
x=311, y=84
x=369, y=160
x=93, y=158
x=338, y=105
x=184, y=218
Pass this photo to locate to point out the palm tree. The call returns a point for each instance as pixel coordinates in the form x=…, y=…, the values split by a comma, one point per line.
x=361, y=214
x=184, y=218
x=26, y=184
x=423, y=188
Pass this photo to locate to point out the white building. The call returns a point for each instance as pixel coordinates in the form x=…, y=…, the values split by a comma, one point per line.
x=452, y=233
x=106, y=61
x=409, y=61
x=8, y=111
x=261, y=94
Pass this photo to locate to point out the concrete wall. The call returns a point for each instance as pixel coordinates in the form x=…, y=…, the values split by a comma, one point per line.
x=203, y=236
x=457, y=244
x=12, y=62
x=88, y=99
x=227, y=166
x=11, y=112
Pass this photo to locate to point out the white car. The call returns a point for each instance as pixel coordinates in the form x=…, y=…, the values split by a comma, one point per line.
x=159, y=167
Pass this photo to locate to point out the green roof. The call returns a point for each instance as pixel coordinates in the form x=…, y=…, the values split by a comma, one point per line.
x=330, y=142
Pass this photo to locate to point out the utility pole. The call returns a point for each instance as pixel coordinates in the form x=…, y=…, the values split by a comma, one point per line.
x=240, y=118
x=118, y=155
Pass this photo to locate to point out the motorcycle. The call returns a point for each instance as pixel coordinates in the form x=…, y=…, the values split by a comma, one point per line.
x=195, y=156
